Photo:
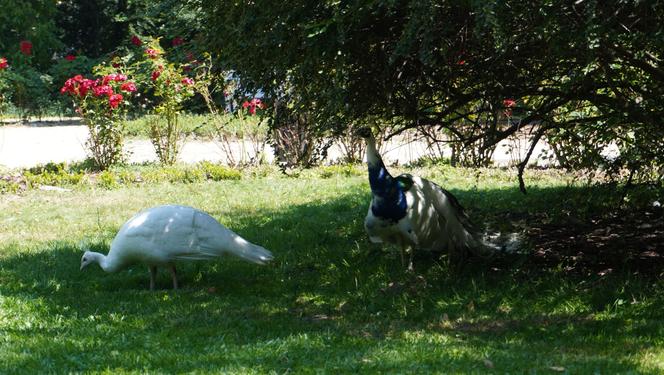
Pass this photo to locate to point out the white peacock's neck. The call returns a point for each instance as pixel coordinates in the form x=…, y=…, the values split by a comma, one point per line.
x=372, y=153
x=104, y=262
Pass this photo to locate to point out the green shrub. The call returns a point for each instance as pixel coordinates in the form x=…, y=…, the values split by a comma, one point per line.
x=28, y=90
x=61, y=174
x=216, y=172
x=127, y=177
x=345, y=170
x=192, y=175
x=9, y=186
x=56, y=174
x=107, y=179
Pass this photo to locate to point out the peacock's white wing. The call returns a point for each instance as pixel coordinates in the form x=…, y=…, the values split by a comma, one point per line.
x=374, y=227
x=428, y=224
x=163, y=234
x=457, y=233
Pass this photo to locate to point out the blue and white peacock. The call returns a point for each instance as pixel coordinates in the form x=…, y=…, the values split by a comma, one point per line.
x=162, y=235
x=416, y=214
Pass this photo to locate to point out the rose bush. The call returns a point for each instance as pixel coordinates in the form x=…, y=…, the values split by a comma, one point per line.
x=4, y=65
x=101, y=104
x=242, y=138
x=171, y=87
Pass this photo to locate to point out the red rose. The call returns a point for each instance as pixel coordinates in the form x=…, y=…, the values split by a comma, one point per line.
x=509, y=103
x=156, y=74
x=120, y=78
x=70, y=57
x=67, y=87
x=187, y=81
x=257, y=103
x=26, y=47
x=115, y=100
x=128, y=87
x=108, y=78
x=103, y=90
x=85, y=86
x=152, y=53
x=3, y=63
x=245, y=104
x=136, y=41
x=177, y=41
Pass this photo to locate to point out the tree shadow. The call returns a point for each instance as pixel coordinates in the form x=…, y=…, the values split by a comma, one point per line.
x=330, y=300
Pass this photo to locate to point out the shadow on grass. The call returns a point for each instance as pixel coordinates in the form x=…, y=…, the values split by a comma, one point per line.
x=330, y=300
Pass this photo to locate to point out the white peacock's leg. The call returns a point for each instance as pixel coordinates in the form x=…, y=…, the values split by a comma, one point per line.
x=153, y=276
x=174, y=275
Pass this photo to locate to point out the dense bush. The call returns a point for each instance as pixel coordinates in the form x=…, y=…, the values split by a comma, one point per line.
x=453, y=65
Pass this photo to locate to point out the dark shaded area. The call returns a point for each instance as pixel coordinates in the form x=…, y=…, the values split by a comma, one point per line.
x=621, y=241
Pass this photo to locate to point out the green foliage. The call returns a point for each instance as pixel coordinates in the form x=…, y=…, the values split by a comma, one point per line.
x=118, y=176
x=33, y=21
x=341, y=170
x=216, y=172
x=166, y=83
x=5, y=86
x=455, y=65
x=63, y=69
x=107, y=179
x=9, y=185
x=27, y=90
x=53, y=174
x=98, y=27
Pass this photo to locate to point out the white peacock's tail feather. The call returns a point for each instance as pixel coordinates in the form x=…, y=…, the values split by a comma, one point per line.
x=464, y=235
x=484, y=244
x=509, y=243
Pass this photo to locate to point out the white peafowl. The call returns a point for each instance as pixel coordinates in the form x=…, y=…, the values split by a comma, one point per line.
x=415, y=213
x=162, y=235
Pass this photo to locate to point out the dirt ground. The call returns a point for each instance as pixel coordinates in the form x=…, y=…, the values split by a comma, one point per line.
x=619, y=242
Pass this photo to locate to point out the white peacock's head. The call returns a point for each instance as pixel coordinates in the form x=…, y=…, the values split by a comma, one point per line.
x=86, y=259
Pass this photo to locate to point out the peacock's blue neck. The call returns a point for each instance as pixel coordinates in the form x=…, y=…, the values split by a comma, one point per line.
x=389, y=199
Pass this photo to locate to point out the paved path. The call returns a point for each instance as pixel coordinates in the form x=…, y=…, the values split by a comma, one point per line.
x=27, y=146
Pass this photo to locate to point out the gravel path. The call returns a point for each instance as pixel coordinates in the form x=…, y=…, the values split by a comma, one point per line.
x=23, y=146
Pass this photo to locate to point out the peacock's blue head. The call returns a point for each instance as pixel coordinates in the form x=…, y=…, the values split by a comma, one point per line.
x=389, y=191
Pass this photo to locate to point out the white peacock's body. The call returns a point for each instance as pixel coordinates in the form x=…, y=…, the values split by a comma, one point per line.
x=163, y=235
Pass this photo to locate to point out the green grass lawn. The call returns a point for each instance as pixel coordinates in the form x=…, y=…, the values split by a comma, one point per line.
x=331, y=302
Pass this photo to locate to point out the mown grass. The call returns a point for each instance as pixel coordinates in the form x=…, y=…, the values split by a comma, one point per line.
x=331, y=302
